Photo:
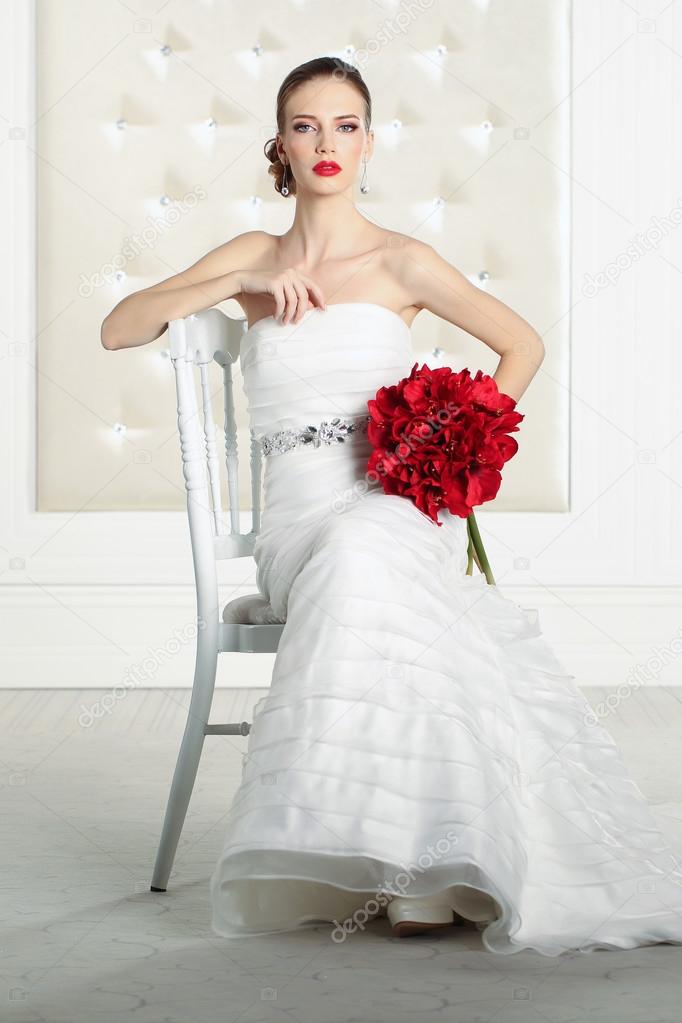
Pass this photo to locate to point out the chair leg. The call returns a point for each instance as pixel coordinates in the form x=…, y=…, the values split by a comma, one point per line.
x=188, y=757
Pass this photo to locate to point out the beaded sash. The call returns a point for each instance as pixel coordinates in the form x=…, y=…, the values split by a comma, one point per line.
x=329, y=431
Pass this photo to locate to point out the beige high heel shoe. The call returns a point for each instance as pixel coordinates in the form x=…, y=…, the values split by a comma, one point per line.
x=416, y=914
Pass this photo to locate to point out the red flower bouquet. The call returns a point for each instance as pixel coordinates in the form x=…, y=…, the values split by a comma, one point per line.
x=441, y=438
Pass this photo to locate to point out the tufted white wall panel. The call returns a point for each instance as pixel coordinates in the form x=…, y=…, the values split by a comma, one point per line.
x=483, y=131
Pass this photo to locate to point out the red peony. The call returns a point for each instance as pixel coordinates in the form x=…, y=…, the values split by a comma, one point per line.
x=441, y=438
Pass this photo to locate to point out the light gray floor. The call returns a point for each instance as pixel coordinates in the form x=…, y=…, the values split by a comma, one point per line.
x=83, y=938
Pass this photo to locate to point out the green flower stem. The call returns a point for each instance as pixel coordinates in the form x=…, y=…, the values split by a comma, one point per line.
x=476, y=550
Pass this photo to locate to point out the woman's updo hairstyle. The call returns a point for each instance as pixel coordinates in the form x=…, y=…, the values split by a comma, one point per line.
x=320, y=67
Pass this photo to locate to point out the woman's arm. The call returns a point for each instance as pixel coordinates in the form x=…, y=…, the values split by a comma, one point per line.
x=439, y=287
x=143, y=316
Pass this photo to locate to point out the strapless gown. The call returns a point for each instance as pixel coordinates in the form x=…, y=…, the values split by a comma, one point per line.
x=420, y=735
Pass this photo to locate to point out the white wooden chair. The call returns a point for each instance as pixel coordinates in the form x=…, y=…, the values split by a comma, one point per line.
x=194, y=343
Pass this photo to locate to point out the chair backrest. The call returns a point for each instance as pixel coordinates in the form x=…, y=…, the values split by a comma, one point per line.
x=195, y=342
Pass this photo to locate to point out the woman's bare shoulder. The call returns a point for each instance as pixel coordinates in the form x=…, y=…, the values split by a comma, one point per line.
x=408, y=260
x=243, y=252
x=400, y=249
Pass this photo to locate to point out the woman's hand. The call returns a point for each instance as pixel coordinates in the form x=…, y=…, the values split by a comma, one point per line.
x=294, y=292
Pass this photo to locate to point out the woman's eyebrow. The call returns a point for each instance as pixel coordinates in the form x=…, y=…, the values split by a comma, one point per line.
x=340, y=117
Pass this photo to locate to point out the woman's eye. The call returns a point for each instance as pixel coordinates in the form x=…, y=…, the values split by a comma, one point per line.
x=352, y=127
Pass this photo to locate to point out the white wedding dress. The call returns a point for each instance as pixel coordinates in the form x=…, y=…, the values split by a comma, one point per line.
x=419, y=735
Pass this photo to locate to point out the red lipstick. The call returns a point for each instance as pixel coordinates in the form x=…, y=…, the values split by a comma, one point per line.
x=326, y=168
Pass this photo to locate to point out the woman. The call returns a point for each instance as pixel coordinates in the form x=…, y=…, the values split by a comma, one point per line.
x=421, y=753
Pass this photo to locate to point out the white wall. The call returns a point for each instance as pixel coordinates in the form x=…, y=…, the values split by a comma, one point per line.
x=86, y=593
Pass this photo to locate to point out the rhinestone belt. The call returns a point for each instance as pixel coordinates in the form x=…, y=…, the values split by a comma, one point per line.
x=329, y=431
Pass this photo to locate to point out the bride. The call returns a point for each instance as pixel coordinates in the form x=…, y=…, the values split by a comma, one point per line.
x=421, y=753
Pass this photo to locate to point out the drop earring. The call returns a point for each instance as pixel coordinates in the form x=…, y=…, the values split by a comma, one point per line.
x=284, y=190
x=364, y=187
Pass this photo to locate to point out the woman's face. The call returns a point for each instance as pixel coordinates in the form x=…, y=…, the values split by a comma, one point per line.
x=324, y=123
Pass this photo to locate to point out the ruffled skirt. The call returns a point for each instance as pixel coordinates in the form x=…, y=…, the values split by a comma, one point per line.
x=420, y=737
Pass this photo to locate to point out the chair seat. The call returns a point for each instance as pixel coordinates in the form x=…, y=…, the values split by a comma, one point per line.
x=253, y=609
